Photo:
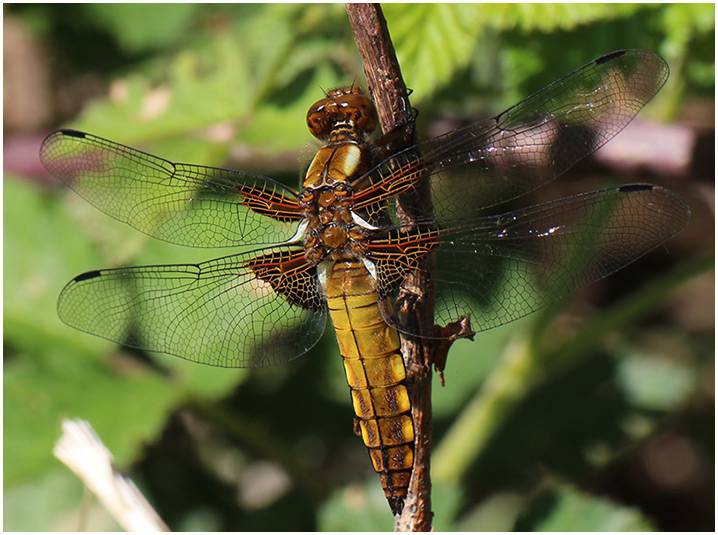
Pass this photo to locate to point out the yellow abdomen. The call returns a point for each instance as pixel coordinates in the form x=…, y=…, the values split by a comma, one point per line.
x=376, y=376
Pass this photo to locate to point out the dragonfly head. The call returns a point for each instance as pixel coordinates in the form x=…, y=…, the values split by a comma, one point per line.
x=347, y=106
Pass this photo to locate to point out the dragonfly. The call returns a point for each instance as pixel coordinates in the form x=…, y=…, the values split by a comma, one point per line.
x=342, y=247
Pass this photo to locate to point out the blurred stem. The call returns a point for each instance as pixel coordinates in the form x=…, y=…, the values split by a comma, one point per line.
x=524, y=365
x=668, y=102
x=484, y=413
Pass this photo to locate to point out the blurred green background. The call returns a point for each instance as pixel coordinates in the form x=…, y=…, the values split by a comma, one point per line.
x=594, y=415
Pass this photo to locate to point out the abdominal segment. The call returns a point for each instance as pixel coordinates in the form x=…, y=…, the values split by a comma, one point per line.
x=376, y=375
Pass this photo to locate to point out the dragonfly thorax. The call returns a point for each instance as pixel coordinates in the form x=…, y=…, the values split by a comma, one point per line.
x=332, y=231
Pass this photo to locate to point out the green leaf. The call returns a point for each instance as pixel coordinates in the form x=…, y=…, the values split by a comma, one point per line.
x=138, y=111
x=655, y=383
x=275, y=128
x=46, y=249
x=432, y=41
x=497, y=513
x=575, y=511
x=52, y=371
x=552, y=17
x=142, y=27
x=435, y=41
x=54, y=501
x=446, y=501
x=356, y=508
x=237, y=82
x=682, y=21
x=126, y=409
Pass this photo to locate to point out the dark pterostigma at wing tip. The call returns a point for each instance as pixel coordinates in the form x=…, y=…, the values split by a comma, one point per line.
x=72, y=133
x=629, y=188
x=87, y=276
x=610, y=57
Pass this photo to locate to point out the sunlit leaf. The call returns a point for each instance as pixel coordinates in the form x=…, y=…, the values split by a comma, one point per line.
x=142, y=27
x=356, y=508
x=574, y=511
x=655, y=383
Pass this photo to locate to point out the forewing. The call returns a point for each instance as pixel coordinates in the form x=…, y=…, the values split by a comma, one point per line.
x=497, y=269
x=179, y=203
x=226, y=312
x=531, y=143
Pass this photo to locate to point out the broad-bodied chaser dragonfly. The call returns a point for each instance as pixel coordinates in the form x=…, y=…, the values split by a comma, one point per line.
x=340, y=247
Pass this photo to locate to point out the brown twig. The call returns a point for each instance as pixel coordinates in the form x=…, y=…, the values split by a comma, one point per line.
x=397, y=117
x=382, y=70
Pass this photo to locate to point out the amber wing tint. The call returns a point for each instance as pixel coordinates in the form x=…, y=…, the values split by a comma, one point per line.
x=218, y=312
x=179, y=203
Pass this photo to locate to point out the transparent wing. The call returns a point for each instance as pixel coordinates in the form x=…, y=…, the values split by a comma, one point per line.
x=246, y=310
x=528, y=145
x=179, y=203
x=496, y=269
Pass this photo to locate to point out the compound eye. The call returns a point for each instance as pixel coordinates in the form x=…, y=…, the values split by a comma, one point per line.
x=366, y=119
x=318, y=123
x=360, y=110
